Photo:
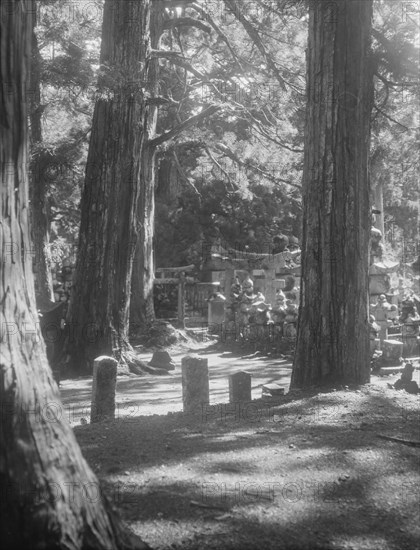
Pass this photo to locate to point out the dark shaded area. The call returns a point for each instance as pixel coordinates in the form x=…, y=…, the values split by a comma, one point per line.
x=330, y=482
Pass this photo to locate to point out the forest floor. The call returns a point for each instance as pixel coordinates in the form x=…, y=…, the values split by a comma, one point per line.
x=303, y=471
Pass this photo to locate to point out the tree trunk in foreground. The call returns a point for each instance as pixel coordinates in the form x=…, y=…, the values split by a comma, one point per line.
x=333, y=336
x=50, y=498
x=98, y=317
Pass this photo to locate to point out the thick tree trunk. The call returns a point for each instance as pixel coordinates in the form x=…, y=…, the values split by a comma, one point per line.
x=333, y=336
x=50, y=498
x=98, y=316
x=142, y=313
x=40, y=225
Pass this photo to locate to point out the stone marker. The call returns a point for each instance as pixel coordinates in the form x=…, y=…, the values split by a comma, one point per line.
x=410, y=340
x=195, y=383
x=386, y=371
x=272, y=390
x=103, y=388
x=162, y=360
x=216, y=311
x=392, y=351
x=240, y=387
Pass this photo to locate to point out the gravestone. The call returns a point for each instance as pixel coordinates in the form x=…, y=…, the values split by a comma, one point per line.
x=272, y=390
x=410, y=340
x=195, y=383
x=216, y=311
x=103, y=389
x=240, y=387
x=392, y=351
x=162, y=360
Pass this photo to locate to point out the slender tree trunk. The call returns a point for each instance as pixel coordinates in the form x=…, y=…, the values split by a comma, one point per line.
x=40, y=224
x=98, y=314
x=142, y=312
x=333, y=336
x=50, y=498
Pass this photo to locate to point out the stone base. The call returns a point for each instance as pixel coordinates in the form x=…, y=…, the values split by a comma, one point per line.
x=411, y=347
x=392, y=351
x=384, y=371
x=272, y=390
x=240, y=387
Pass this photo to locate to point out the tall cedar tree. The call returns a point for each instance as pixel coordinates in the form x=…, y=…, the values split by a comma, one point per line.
x=333, y=336
x=141, y=305
x=98, y=315
x=50, y=497
x=40, y=224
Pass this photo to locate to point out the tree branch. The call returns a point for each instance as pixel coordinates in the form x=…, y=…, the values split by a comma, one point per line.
x=160, y=100
x=180, y=61
x=186, y=22
x=228, y=152
x=234, y=8
x=214, y=160
x=219, y=32
x=263, y=132
x=192, y=121
x=392, y=119
x=183, y=174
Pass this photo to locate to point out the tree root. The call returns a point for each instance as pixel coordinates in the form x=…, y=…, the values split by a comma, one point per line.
x=126, y=539
x=129, y=363
x=409, y=442
x=160, y=334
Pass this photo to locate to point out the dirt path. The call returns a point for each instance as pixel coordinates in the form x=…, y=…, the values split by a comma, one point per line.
x=148, y=395
x=308, y=472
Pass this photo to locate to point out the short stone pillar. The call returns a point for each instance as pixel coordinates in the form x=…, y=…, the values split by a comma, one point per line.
x=240, y=387
x=383, y=333
x=195, y=383
x=103, y=389
x=181, y=300
x=410, y=341
x=392, y=351
x=216, y=311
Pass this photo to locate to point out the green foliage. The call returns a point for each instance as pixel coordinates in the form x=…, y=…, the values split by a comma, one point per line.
x=243, y=223
x=395, y=131
x=238, y=175
x=69, y=47
x=235, y=175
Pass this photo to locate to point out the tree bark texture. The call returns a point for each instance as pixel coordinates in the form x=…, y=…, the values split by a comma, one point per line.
x=333, y=336
x=40, y=224
x=142, y=311
x=98, y=316
x=50, y=498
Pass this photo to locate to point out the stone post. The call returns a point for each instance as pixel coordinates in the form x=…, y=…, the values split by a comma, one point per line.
x=216, y=312
x=410, y=340
x=392, y=351
x=181, y=300
x=240, y=387
x=103, y=389
x=195, y=383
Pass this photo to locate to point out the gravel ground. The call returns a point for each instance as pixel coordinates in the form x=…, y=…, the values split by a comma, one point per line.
x=308, y=471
